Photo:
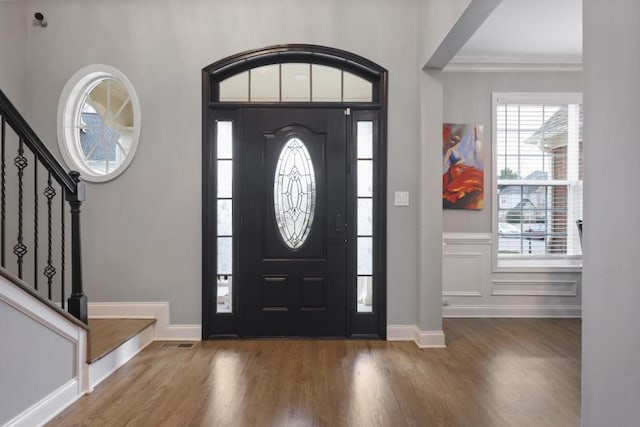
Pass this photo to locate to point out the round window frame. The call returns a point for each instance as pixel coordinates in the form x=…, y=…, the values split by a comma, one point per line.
x=69, y=106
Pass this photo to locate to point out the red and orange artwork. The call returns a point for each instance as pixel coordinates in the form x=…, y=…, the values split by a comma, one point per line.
x=463, y=170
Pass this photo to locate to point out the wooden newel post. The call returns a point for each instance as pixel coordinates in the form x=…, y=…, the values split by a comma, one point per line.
x=78, y=300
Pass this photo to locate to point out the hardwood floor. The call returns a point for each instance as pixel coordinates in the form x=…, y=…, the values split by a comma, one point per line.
x=106, y=334
x=494, y=372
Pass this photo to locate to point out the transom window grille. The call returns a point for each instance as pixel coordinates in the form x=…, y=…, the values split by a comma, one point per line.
x=294, y=194
x=538, y=146
x=295, y=82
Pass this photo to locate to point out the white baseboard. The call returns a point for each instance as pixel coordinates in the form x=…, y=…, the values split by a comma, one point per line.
x=47, y=408
x=423, y=339
x=430, y=339
x=507, y=311
x=181, y=333
x=102, y=368
x=163, y=330
x=401, y=332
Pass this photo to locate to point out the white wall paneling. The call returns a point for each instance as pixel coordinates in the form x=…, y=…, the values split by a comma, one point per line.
x=513, y=311
x=461, y=274
x=470, y=288
x=465, y=260
x=567, y=288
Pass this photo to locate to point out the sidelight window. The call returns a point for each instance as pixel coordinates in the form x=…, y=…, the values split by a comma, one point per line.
x=364, y=215
x=224, y=238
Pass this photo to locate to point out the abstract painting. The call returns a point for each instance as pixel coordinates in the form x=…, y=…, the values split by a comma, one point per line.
x=462, y=166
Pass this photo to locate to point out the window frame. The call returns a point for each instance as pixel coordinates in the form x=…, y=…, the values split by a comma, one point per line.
x=528, y=263
x=70, y=104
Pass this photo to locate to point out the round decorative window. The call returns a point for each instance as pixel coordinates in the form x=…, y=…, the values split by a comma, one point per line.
x=98, y=123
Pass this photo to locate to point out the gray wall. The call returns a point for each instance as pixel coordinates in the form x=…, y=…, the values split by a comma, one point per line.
x=429, y=297
x=13, y=52
x=437, y=18
x=467, y=99
x=35, y=361
x=611, y=341
x=142, y=232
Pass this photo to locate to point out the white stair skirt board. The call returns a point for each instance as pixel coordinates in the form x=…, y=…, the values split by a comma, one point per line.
x=48, y=407
x=102, y=368
x=163, y=330
x=513, y=311
x=423, y=339
x=51, y=405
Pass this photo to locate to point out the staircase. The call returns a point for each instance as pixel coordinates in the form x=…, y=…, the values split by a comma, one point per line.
x=52, y=353
x=50, y=359
x=112, y=342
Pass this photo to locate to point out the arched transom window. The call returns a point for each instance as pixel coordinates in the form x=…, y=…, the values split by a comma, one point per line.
x=295, y=82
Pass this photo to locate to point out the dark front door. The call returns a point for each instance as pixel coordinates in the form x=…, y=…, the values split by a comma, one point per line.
x=292, y=214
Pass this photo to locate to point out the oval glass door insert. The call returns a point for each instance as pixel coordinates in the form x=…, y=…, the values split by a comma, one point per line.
x=294, y=194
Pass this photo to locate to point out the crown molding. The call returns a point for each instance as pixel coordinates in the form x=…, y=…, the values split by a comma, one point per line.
x=541, y=63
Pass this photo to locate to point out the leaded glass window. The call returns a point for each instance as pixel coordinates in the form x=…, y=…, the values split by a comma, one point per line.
x=294, y=193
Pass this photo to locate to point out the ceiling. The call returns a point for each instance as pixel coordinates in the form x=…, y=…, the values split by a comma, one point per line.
x=528, y=30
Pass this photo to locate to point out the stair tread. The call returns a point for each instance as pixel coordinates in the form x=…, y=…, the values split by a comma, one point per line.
x=105, y=335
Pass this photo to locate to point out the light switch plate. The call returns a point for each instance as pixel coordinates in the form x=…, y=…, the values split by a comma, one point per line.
x=401, y=198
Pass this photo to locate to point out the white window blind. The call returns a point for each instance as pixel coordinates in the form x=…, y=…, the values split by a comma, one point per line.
x=538, y=149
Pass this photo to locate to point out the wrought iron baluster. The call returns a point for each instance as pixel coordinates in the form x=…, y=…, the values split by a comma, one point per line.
x=4, y=196
x=35, y=224
x=21, y=162
x=71, y=190
x=49, y=270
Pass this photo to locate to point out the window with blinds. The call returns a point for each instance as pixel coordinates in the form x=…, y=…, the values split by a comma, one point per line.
x=538, y=158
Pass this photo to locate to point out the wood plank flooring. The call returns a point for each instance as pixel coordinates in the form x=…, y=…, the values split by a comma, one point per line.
x=494, y=372
x=107, y=334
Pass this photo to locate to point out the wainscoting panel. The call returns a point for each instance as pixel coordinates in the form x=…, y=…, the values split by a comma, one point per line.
x=470, y=287
x=461, y=274
x=567, y=288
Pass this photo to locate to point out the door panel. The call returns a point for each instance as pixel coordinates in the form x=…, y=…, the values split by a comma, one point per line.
x=293, y=281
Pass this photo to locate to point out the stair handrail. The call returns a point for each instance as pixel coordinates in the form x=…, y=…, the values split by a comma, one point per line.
x=75, y=195
x=31, y=139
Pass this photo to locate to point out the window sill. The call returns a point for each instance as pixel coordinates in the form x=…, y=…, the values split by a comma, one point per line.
x=540, y=265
